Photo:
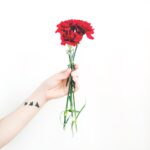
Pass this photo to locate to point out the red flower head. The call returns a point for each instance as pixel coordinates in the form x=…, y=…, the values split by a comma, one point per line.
x=72, y=31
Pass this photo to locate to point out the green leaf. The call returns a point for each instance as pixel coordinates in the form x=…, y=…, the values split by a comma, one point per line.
x=81, y=110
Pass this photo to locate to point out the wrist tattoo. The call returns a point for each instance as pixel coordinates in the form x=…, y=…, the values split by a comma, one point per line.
x=31, y=103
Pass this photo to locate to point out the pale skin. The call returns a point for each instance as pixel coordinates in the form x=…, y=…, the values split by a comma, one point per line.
x=52, y=88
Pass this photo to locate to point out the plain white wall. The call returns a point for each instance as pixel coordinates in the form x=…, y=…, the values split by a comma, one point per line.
x=114, y=72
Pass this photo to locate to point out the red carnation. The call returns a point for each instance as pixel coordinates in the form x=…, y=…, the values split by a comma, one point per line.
x=72, y=31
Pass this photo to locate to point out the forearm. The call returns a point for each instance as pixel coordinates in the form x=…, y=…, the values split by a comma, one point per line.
x=13, y=123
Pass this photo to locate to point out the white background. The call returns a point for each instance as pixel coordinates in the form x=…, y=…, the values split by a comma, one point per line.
x=114, y=72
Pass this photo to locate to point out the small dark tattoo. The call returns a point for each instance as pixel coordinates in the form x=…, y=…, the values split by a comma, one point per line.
x=36, y=104
x=31, y=103
x=25, y=103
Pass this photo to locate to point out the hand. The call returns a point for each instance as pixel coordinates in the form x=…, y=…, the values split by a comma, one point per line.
x=55, y=86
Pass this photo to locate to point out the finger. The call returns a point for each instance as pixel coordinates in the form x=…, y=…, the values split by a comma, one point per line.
x=76, y=80
x=76, y=66
x=64, y=70
x=64, y=74
x=75, y=73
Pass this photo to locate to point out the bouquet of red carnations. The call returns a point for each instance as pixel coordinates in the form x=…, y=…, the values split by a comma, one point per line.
x=71, y=33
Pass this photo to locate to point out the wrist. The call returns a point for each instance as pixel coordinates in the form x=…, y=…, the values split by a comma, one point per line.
x=37, y=98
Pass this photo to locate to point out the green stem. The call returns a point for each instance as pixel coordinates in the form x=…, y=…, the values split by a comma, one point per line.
x=75, y=120
x=71, y=60
x=75, y=52
x=66, y=108
x=71, y=103
x=71, y=95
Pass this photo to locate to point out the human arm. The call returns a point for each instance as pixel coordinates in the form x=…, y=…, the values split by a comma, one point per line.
x=52, y=88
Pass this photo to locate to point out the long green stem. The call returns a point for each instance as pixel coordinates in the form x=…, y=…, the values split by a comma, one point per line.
x=73, y=57
x=75, y=119
x=70, y=103
x=66, y=108
x=75, y=52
